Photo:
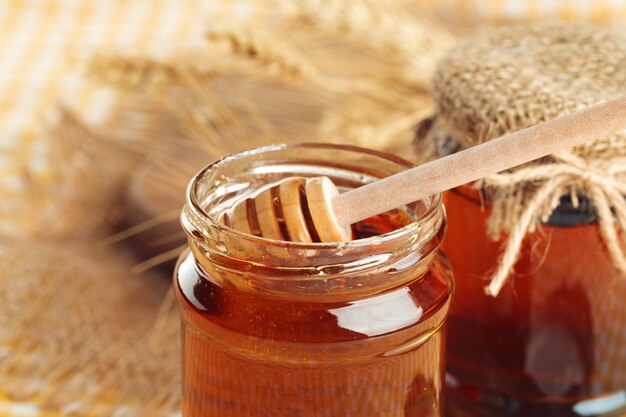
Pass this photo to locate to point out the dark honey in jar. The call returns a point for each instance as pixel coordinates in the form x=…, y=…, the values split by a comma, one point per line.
x=273, y=328
x=553, y=342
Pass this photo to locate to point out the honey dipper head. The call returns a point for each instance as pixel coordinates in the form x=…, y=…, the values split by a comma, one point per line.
x=295, y=209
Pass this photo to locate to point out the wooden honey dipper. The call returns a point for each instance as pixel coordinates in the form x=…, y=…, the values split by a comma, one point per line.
x=312, y=209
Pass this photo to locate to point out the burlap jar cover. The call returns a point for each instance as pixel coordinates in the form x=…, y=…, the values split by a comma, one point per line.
x=506, y=79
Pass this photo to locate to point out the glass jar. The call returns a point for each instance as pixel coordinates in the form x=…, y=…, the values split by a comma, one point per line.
x=274, y=328
x=553, y=342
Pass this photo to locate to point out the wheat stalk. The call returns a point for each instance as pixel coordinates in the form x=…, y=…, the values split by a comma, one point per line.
x=389, y=27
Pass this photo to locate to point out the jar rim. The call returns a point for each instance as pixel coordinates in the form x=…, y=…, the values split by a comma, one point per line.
x=432, y=204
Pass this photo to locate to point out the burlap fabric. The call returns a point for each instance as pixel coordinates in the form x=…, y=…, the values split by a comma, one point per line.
x=509, y=78
x=80, y=333
x=82, y=336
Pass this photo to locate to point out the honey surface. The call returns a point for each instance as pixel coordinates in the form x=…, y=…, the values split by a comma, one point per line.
x=254, y=354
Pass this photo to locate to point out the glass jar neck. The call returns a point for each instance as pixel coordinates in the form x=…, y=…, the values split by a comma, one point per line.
x=368, y=265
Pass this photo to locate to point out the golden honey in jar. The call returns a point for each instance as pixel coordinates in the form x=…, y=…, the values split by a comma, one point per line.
x=275, y=328
x=553, y=342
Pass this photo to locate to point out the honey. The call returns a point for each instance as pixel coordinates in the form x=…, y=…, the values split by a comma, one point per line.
x=552, y=342
x=343, y=329
x=295, y=359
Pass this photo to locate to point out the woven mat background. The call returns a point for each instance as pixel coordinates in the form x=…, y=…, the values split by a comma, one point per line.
x=119, y=357
x=42, y=41
x=81, y=331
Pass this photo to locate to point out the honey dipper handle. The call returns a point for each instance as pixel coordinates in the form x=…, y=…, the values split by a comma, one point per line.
x=479, y=161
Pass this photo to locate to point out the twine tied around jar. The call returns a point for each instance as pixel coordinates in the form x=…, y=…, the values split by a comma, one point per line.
x=509, y=78
x=529, y=195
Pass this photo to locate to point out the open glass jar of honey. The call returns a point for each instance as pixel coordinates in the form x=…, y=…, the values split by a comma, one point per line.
x=276, y=328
